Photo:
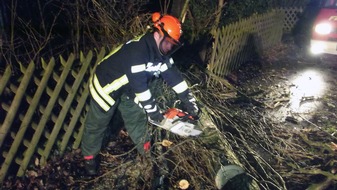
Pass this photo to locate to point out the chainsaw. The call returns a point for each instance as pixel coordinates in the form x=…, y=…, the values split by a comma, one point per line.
x=178, y=122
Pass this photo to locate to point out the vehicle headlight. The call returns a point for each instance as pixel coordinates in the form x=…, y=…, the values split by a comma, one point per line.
x=323, y=28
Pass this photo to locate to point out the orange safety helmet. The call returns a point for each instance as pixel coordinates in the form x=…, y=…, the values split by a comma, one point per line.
x=168, y=26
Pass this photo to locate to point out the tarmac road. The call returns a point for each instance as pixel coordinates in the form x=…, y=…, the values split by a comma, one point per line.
x=296, y=87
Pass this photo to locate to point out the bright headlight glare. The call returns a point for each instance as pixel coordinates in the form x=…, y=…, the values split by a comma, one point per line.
x=323, y=28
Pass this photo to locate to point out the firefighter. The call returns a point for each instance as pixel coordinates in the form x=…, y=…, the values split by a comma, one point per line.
x=121, y=81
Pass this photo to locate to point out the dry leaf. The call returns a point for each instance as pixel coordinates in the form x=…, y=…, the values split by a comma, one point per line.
x=183, y=184
x=166, y=143
x=333, y=146
x=31, y=173
x=37, y=162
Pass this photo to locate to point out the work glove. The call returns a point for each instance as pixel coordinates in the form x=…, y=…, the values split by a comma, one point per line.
x=163, y=121
x=191, y=107
x=156, y=117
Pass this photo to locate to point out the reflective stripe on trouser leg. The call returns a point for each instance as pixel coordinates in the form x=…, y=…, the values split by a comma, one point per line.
x=135, y=121
x=94, y=128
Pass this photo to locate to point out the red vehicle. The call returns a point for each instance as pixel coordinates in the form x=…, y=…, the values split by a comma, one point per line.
x=324, y=34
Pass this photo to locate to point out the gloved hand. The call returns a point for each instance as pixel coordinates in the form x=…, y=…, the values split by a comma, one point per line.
x=165, y=123
x=156, y=116
x=192, y=107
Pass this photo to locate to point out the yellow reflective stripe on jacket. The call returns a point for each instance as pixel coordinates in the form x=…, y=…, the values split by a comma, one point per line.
x=116, y=84
x=98, y=99
x=138, y=68
x=120, y=46
x=99, y=95
x=181, y=87
x=111, y=53
x=144, y=96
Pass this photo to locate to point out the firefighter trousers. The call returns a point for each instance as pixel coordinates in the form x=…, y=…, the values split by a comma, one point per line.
x=97, y=122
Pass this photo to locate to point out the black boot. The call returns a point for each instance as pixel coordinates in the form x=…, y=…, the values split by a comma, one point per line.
x=90, y=166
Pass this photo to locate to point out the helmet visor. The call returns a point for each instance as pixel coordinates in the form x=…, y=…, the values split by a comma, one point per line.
x=168, y=46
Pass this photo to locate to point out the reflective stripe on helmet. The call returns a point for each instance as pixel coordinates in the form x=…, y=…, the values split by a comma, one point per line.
x=181, y=87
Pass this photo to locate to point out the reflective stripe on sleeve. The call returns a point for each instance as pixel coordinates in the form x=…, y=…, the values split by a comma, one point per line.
x=116, y=84
x=137, y=102
x=181, y=87
x=144, y=96
x=149, y=110
x=138, y=68
x=192, y=100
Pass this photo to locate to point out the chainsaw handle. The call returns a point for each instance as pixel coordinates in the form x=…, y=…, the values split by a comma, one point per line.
x=184, y=116
x=172, y=112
